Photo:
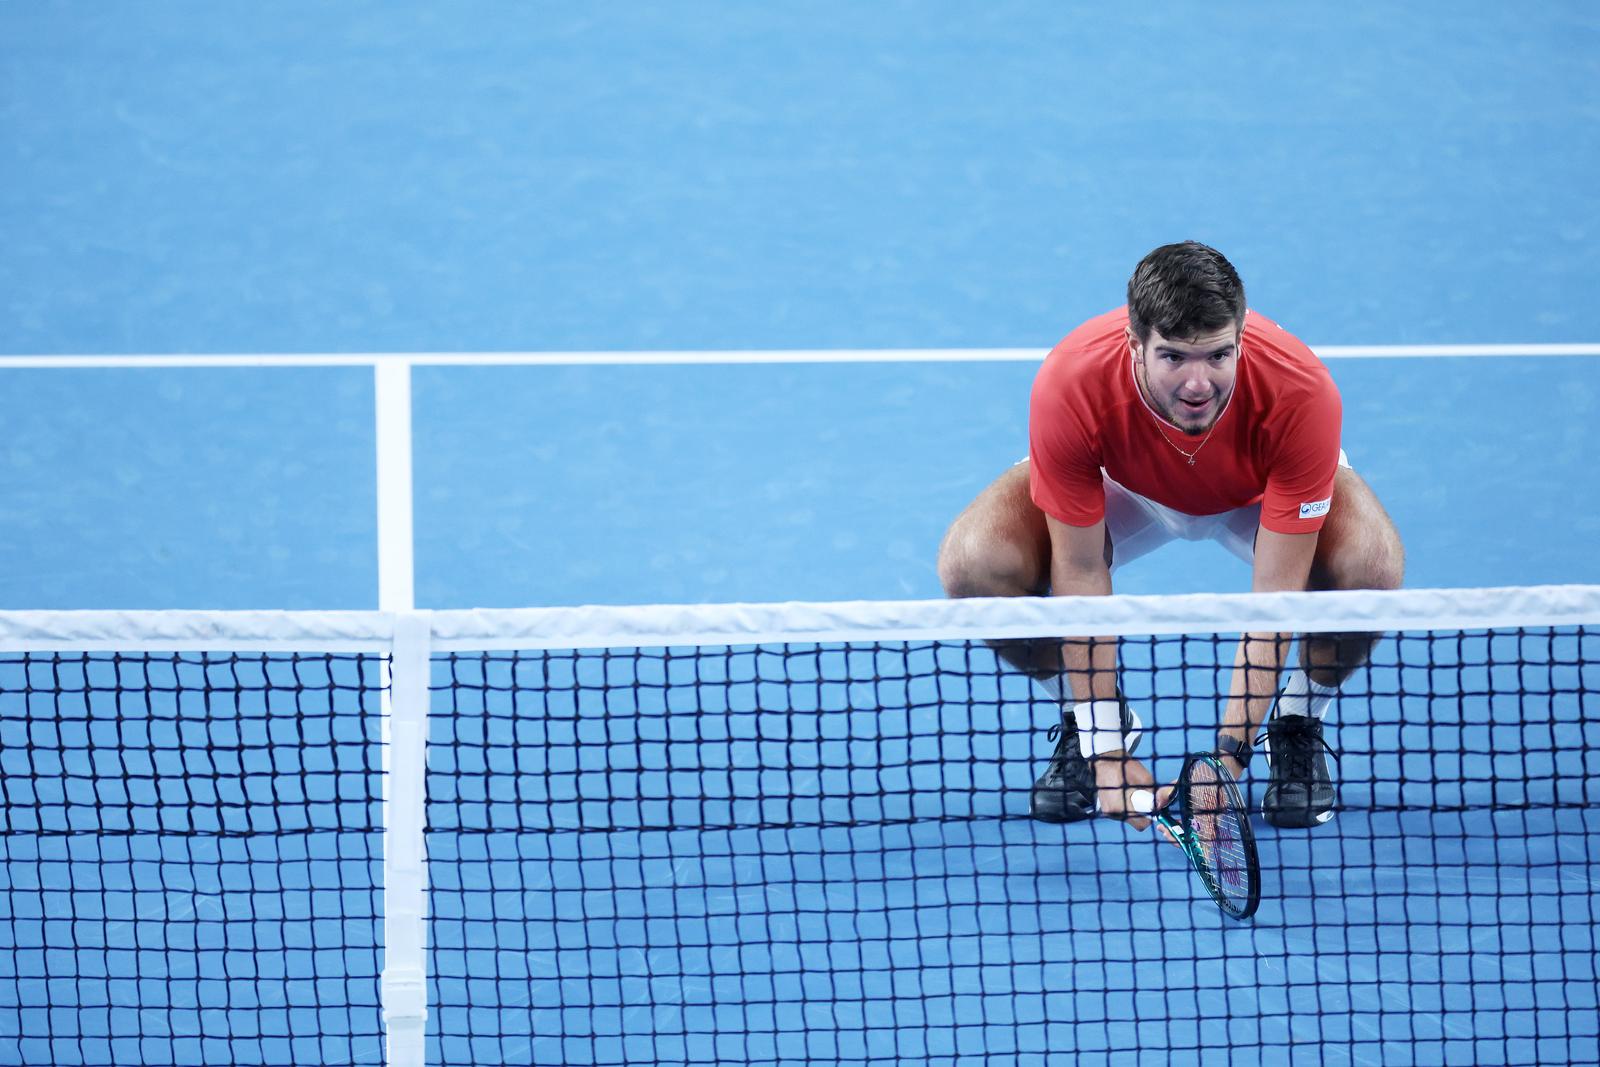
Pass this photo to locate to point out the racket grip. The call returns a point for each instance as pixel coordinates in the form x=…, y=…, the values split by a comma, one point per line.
x=1141, y=801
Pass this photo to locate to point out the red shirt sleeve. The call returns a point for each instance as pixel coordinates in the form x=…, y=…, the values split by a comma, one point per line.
x=1300, y=473
x=1064, y=455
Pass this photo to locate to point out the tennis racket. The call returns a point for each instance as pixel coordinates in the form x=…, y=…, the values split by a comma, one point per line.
x=1208, y=819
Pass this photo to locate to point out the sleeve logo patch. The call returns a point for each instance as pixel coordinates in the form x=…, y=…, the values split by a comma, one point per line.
x=1315, y=508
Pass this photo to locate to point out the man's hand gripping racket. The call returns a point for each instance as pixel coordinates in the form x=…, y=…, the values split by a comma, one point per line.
x=1206, y=816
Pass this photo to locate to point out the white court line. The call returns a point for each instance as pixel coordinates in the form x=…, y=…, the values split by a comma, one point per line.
x=854, y=355
x=396, y=566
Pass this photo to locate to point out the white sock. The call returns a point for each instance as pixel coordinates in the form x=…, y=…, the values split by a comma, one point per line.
x=1321, y=698
x=1302, y=696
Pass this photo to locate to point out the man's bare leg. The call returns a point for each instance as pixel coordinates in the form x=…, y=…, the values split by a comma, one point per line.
x=1359, y=548
x=1000, y=546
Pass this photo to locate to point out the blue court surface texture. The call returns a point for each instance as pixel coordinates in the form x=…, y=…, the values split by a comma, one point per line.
x=245, y=179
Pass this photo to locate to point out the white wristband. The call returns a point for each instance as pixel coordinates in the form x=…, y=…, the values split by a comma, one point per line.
x=1141, y=801
x=1100, y=727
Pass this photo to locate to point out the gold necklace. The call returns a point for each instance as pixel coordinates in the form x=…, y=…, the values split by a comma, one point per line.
x=1188, y=455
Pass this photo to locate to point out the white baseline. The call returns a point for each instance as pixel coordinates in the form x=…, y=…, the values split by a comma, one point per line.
x=753, y=356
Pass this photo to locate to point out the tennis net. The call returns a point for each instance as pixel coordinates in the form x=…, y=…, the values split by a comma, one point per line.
x=778, y=834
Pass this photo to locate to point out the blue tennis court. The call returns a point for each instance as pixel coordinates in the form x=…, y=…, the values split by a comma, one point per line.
x=222, y=179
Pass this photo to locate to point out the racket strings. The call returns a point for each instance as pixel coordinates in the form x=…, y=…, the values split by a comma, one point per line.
x=1215, y=821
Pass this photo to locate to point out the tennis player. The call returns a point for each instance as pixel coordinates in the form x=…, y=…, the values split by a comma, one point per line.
x=1181, y=415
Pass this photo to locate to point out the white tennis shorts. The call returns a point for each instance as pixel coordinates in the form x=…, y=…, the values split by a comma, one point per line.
x=1139, y=525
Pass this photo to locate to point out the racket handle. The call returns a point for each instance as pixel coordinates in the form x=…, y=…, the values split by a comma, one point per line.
x=1141, y=801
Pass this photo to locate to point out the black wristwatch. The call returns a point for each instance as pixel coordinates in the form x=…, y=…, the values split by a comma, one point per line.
x=1239, y=750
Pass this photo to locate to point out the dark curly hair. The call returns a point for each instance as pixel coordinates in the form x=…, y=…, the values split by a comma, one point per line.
x=1182, y=291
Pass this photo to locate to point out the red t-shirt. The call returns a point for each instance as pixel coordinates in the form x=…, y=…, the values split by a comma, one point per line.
x=1277, y=442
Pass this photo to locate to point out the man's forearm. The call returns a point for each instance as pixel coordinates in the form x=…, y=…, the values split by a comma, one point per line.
x=1283, y=562
x=1090, y=663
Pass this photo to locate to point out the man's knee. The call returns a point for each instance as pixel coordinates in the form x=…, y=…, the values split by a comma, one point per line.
x=1387, y=568
x=1381, y=562
x=978, y=559
x=985, y=566
x=1361, y=548
x=1375, y=560
x=999, y=545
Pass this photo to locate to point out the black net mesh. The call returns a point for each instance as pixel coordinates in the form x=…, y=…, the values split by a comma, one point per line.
x=823, y=854
x=190, y=859
x=787, y=854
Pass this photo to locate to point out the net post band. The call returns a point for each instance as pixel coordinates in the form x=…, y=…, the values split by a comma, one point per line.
x=405, y=874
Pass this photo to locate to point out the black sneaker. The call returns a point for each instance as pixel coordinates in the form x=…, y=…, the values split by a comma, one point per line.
x=1301, y=792
x=1065, y=792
